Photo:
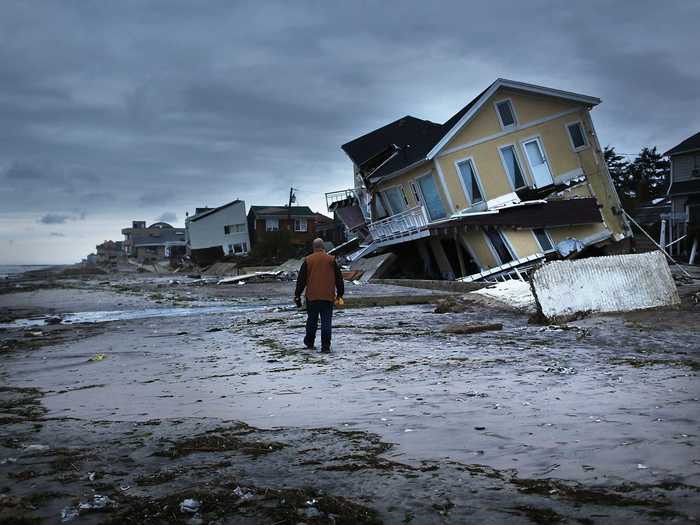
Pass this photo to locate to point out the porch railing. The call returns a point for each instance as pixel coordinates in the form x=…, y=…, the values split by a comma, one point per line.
x=339, y=196
x=399, y=225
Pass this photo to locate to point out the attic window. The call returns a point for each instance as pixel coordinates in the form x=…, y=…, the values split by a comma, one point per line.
x=577, y=136
x=506, y=115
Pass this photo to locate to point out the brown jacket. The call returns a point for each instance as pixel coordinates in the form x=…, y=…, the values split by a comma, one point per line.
x=321, y=277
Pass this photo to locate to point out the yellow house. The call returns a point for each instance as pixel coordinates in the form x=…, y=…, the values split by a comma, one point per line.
x=515, y=176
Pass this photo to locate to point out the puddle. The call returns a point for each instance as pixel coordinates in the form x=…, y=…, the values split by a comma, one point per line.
x=125, y=315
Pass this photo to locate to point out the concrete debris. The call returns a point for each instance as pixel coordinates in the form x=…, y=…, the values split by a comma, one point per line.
x=617, y=283
x=513, y=293
x=472, y=328
x=98, y=503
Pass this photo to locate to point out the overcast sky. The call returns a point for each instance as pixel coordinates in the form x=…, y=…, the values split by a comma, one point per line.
x=114, y=111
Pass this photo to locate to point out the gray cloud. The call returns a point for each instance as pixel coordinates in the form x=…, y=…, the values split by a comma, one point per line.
x=54, y=218
x=125, y=109
x=57, y=234
x=168, y=216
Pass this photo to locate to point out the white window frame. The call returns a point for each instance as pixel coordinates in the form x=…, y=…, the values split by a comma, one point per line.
x=493, y=250
x=524, y=173
x=243, y=246
x=483, y=200
x=268, y=222
x=530, y=174
x=551, y=241
x=305, y=222
x=586, y=144
x=509, y=127
x=388, y=201
x=423, y=201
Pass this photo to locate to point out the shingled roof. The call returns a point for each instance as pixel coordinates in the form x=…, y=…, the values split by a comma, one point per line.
x=689, y=144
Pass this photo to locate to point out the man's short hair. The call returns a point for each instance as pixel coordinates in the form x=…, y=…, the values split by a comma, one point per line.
x=318, y=244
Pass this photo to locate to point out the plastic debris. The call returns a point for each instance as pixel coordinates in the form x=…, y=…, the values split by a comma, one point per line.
x=562, y=370
x=640, y=466
x=97, y=357
x=245, y=496
x=36, y=447
x=98, y=502
x=91, y=476
x=190, y=506
x=69, y=514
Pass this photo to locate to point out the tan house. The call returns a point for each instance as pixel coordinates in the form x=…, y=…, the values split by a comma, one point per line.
x=513, y=177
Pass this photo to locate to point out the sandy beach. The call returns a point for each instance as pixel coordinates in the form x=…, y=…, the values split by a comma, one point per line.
x=150, y=390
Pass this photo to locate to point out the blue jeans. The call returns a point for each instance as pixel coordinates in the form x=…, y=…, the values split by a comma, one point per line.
x=313, y=310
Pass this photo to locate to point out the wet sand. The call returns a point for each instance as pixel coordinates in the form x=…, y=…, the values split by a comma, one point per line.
x=594, y=422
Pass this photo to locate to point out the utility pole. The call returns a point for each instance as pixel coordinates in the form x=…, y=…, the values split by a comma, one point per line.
x=292, y=198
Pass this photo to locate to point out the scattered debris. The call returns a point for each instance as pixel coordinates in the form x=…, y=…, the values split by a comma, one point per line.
x=514, y=293
x=190, y=506
x=561, y=370
x=450, y=305
x=472, y=328
x=98, y=357
x=256, y=276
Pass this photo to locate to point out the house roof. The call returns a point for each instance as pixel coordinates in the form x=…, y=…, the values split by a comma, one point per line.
x=689, y=144
x=165, y=236
x=205, y=212
x=282, y=211
x=415, y=141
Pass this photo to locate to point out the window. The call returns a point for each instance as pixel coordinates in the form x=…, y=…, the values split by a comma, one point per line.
x=301, y=225
x=396, y=198
x=543, y=239
x=577, y=136
x=416, y=193
x=538, y=163
x=499, y=245
x=506, y=115
x=272, y=225
x=512, y=167
x=471, y=182
x=234, y=228
x=431, y=197
x=238, y=248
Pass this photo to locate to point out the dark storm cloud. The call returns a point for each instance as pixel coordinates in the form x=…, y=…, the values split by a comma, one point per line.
x=168, y=216
x=133, y=107
x=54, y=218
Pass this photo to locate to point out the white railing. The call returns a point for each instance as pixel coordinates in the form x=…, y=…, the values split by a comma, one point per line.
x=505, y=271
x=339, y=196
x=399, y=225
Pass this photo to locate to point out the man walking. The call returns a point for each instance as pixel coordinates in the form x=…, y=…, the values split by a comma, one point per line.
x=321, y=277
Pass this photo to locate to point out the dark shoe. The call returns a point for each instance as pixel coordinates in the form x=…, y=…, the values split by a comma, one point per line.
x=310, y=347
x=326, y=350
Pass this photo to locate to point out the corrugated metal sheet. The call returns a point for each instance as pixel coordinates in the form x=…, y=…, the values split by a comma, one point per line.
x=616, y=283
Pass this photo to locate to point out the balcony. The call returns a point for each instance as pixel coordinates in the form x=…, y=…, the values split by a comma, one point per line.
x=340, y=198
x=408, y=223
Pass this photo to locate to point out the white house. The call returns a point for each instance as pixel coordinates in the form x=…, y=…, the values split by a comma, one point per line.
x=212, y=232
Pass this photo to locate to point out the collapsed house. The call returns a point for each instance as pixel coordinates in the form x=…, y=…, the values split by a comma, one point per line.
x=514, y=177
x=212, y=233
